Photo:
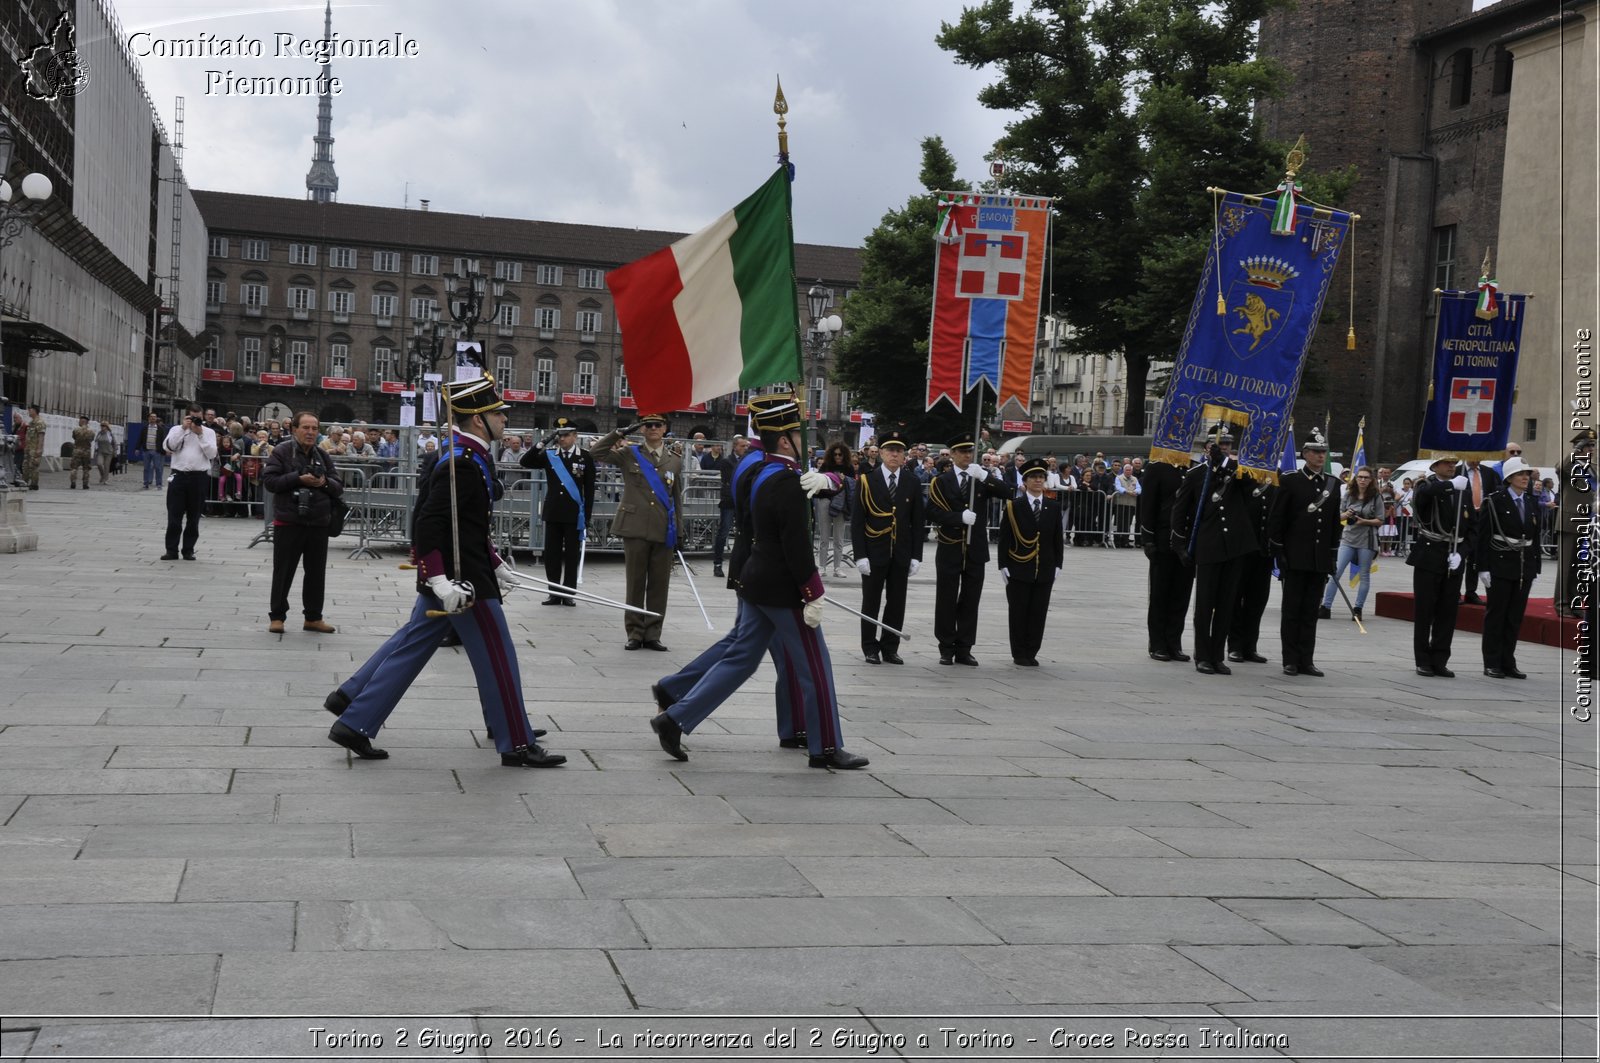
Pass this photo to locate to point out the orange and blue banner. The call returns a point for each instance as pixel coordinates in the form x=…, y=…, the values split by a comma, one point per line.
x=989, y=275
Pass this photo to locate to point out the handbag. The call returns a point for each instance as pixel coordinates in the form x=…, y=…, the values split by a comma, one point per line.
x=337, y=508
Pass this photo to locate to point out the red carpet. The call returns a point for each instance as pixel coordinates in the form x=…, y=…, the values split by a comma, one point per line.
x=1540, y=623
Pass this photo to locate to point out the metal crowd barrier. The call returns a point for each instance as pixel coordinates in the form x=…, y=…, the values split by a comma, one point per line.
x=1088, y=518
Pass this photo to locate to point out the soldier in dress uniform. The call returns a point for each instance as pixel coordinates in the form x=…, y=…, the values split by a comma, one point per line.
x=649, y=521
x=568, y=502
x=963, y=549
x=886, y=531
x=1303, y=531
x=1031, y=547
x=1508, y=550
x=1482, y=481
x=1255, y=581
x=33, y=450
x=1211, y=531
x=1439, y=506
x=1575, y=486
x=780, y=593
x=82, y=453
x=451, y=524
x=1171, y=580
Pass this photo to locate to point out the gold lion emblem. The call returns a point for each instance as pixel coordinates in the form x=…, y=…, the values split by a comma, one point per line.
x=1258, y=318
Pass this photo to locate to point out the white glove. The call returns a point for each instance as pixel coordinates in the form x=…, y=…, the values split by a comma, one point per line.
x=812, y=613
x=978, y=473
x=502, y=575
x=454, y=595
x=812, y=482
x=1459, y=483
x=1485, y=576
x=915, y=564
x=968, y=517
x=1005, y=575
x=864, y=567
x=1455, y=562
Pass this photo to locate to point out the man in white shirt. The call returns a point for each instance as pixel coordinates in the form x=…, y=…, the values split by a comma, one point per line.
x=193, y=447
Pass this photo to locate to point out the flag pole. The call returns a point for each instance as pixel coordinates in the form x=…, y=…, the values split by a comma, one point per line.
x=780, y=107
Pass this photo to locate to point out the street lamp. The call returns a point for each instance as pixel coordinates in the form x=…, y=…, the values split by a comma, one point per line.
x=16, y=213
x=427, y=347
x=820, y=336
x=464, y=297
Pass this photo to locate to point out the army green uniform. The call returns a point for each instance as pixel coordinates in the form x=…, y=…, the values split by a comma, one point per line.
x=82, y=455
x=34, y=454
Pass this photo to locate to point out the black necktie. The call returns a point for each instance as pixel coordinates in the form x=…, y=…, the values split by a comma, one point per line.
x=891, y=484
x=1036, y=509
x=961, y=481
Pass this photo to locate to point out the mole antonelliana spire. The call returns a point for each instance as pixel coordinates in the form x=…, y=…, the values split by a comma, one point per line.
x=322, y=184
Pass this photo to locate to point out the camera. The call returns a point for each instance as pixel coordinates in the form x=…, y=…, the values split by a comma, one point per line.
x=302, y=501
x=195, y=418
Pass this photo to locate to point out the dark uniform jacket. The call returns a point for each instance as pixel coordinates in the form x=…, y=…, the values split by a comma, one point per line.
x=781, y=570
x=431, y=523
x=1258, y=504
x=1508, y=547
x=1491, y=483
x=284, y=467
x=945, y=503
x=1225, y=531
x=1158, y=488
x=1434, y=505
x=1304, y=526
x=881, y=527
x=559, y=506
x=1031, y=550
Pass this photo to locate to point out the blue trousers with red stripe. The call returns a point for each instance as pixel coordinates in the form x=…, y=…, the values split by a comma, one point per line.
x=786, y=692
x=378, y=685
x=758, y=630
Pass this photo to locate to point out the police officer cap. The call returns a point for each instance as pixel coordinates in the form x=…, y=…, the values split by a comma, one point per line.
x=1035, y=465
x=1219, y=433
x=1314, y=441
x=961, y=441
x=778, y=412
x=1445, y=458
x=564, y=426
x=1514, y=466
x=1585, y=436
x=477, y=395
x=892, y=437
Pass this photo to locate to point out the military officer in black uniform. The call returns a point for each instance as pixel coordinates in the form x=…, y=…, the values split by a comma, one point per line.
x=1303, y=530
x=963, y=549
x=1211, y=531
x=1482, y=481
x=1439, y=506
x=886, y=532
x=568, y=503
x=1031, y=547
x=1171, y=581
x=1508, y=550
x=1255, y=581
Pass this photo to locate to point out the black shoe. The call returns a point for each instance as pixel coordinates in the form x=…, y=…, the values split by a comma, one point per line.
x=716, y=570
x=336, y=702
x=1291, y=669
x=570, y=601
x=1158, y=655
x=1324, y=613
x=1024, y=662
x=488, y=732
x=1426, y=672
x=532, y=756
x=797, y=742
x=634, y=644
x=1471, y=599
x=1179, y=655
x=669, y=734
x=967, y=659
x=947, y=658
x=655, y=644
x=837, y=758
x=890, y=657
x=356, y=742
x=450, y=638
x=1512, y=673
x=1355, y=614
x=1220, y=668
x=169, y=557
x=872, y=657
x=552, y=600
x=1444, y=673
x=1247, y=658
x=188, y=557
x=663, y=699
x=1236, y=657
x=1205, y=668
x=1494, y=673
x=1312, y=670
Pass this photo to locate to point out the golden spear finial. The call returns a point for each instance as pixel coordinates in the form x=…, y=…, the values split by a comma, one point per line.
x=780, y=107
x=1296, y=157
x=1484, y=269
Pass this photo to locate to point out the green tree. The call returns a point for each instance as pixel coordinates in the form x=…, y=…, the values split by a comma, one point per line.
x=1129, y=109
x=883, y=356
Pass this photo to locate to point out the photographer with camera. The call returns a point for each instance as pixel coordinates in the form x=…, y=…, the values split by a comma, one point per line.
x=304, y=484
x=193, y=447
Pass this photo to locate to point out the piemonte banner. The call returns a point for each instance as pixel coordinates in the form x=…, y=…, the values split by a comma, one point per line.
x=1474, y=374
x=989, y=272
x=1253, y=316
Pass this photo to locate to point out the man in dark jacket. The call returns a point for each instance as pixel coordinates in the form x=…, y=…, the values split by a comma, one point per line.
x=1303, y=531
x=1255, y=582
x=1508, y=551
x=1030, y=548
x=568, y=501
x=1211, y=531
x=457, y=587
x=1171, y=581
x=886, y=532
x=1438, y=504
x=725, y=467
x=955, y=498
x=1482, y=481
x=302, y=480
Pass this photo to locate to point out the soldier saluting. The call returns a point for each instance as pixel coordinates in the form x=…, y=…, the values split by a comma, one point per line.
x=568, y=501
x=963, y=548
x=1303, y=531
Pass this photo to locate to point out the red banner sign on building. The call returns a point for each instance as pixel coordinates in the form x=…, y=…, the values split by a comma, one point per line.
x=519, y=395
x=392, y=387
x=1019, y=427
x=221, y=376
x=278, y=380
x=698, y=407
x=855, y=416
x=741, y=410
x=572, y=398
x=628, y=402
x=339, y=383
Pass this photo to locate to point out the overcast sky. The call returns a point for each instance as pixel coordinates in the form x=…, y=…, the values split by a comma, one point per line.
x=648, y=113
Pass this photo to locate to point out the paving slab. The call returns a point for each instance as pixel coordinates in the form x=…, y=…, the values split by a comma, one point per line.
x=806, y=922
x=938, y=876
x=123, y=840
x=1316, y=975
x=341, y=878
x=471, y=840
x=1113, y=921
x=1306, y=921
x=1442, y=921
x=41, y=880
x=753, y=839
x=59, y=931
x=734, y=876
x=1211, y=877
x=1104, y=974
x=109, y=985
x=963, y=840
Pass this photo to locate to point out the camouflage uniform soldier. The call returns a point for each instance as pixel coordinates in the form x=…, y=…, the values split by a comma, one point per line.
x=82, y=453
x=34, y=454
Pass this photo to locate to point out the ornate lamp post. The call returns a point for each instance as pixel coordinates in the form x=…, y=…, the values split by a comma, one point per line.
x=464, y=298
x=427, y=347
x=820, y=336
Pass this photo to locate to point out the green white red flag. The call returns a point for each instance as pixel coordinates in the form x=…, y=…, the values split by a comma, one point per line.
x=715, y=312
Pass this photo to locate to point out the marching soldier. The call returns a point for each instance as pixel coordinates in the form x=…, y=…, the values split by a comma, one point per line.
x=457, y=581
x=568, y=501
x=1508, y=550
x=886, y=531
x=82, y=453
x=649, y=521
x=1031, y=547
x=1575, y=486
x=1303, y=531
x=1171, y=580
x=1255, y=581
x=1211, y=531
x=1438, y=505
x=963, y=549
x=33, y=452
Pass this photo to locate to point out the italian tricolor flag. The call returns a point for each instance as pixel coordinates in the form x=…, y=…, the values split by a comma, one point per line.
x=715, y=312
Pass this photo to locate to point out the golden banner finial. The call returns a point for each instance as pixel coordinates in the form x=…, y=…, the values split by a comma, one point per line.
x=1296, y=157
x=1485, y=268
x=780, y=107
